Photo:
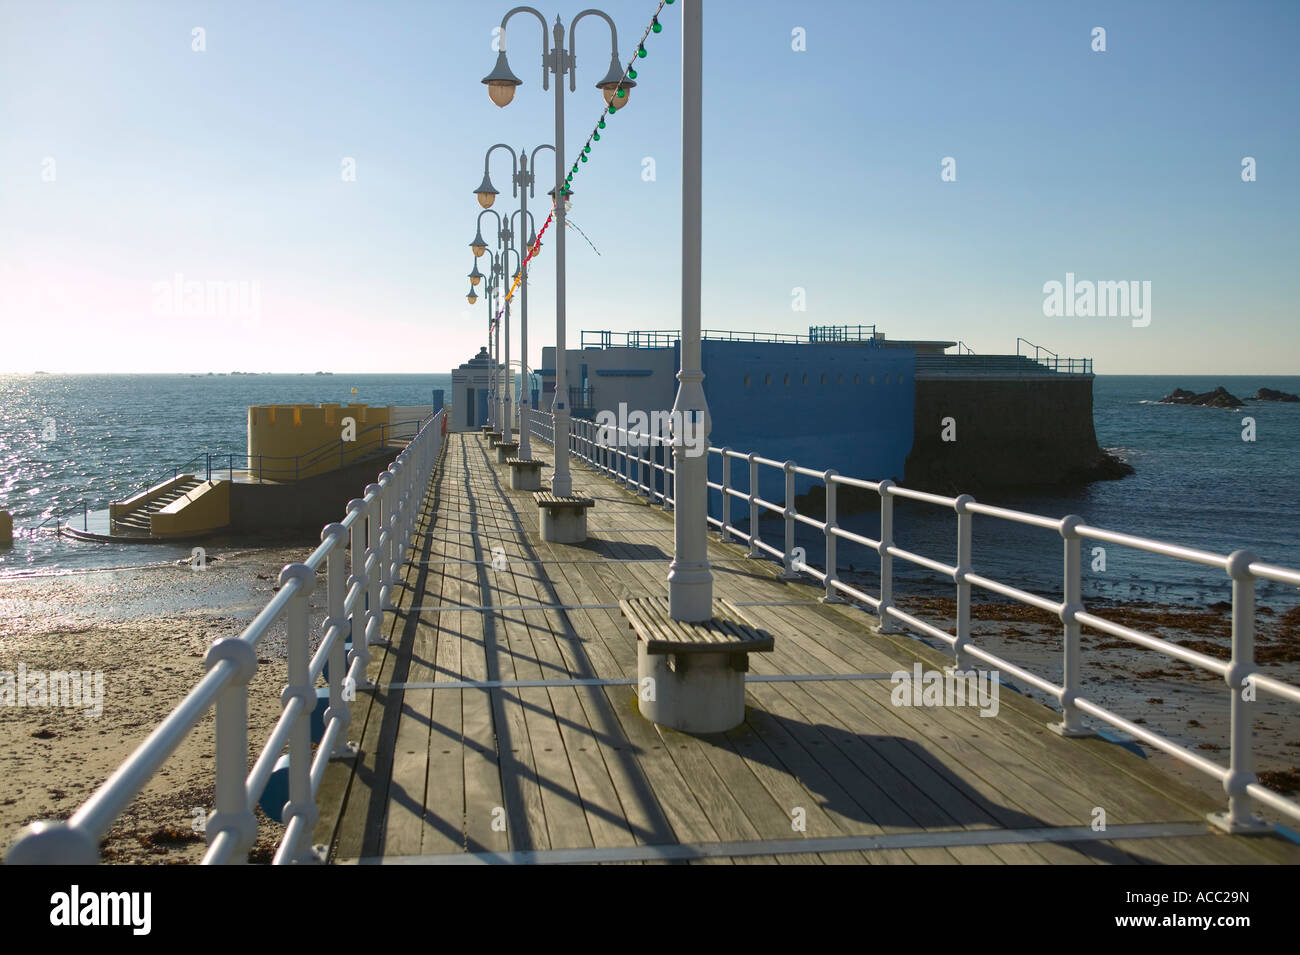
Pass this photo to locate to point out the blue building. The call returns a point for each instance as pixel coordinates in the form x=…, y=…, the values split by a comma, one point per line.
x=839, y=397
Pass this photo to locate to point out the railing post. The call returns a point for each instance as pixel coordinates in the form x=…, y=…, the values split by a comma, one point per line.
x=753, y=506
x=359, y=624
x=1072, y=592
x=886, y=624
x=1240, y=817
x=373, y=568
x=725, y=532
x=231, y=812
x=208, y=473
x=300, y=804
x=790, y=572
x=961, y=659
x=669, y=477
x=384, y=541
x=335, y=590
x=832, y=542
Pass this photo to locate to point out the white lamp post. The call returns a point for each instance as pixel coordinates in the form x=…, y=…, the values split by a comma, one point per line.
x=690, y=582
x=501, y=84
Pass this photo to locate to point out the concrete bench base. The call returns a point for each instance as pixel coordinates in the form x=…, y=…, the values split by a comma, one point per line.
x=691, y=676
x=493, y=437
x=506, y=450
x=525, y=475
x=563, y=519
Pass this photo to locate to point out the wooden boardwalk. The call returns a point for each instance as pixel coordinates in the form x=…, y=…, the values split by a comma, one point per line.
x=824, y=770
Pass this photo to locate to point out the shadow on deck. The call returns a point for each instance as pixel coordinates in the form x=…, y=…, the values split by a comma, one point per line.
x=504, y=727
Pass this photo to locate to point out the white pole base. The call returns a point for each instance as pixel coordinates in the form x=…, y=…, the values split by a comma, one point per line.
x=690, y=591
x=564, y=525
x=693, y=693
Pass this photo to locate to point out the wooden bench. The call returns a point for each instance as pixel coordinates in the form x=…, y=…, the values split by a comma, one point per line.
x=549, y=500
x=505, y=449
x=727, y=632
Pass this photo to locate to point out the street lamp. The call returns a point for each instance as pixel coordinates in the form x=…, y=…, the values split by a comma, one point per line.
x=471, y=297
x=497, y=270
x=501, y=84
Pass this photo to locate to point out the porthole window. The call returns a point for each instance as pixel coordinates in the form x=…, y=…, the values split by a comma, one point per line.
x=767, y=381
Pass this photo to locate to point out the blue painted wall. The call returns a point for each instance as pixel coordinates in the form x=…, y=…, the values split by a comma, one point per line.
x=847, y=407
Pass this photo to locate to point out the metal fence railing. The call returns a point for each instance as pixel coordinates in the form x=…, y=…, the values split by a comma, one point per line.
x=362, y=556
x=643, y=463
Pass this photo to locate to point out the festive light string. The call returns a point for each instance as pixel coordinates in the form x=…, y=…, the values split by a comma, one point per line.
x=629, y=73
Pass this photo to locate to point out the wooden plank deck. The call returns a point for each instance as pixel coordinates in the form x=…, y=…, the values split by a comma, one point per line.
x=566, y=769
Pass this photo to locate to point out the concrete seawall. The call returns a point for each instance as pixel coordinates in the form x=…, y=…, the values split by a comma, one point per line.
x=1024, y=431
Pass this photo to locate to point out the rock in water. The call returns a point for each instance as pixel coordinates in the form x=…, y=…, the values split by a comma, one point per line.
x=1218, y=398
x=1268, y=394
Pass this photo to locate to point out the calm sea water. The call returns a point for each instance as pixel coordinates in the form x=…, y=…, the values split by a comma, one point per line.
x=1197, y=481
x=113, y=433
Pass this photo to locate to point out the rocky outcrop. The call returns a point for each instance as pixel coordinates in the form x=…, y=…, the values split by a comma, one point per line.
x=1268, y=394
x=1218, y=398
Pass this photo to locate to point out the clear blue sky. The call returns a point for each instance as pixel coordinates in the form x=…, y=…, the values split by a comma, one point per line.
x=822, y=171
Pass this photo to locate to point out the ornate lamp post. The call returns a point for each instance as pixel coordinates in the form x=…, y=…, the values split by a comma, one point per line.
x=501, y=84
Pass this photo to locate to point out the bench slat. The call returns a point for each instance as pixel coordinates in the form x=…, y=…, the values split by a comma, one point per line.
x=727, y=632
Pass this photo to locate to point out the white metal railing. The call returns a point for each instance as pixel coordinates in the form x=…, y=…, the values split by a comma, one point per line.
x=648, y=471
x=376, y=531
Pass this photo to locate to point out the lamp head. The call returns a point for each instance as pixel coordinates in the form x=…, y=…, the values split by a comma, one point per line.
x=486, y=192
x=478, y=246
x=472, y=297
x=501, y=82
x=613, y=83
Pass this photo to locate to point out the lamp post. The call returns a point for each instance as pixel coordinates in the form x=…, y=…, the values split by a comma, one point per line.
x=522, y=183
x=490, y=291
x=501, y=83
x=486, y=196
x=690, y=582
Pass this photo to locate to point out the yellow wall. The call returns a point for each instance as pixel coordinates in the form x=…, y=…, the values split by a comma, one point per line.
x=279, y=432
x=206, y=508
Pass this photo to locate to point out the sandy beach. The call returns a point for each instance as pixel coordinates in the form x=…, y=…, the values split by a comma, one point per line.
x=147, y=629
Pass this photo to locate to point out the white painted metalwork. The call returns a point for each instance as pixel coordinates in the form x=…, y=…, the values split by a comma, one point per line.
x=377, y=530
x=642, y=463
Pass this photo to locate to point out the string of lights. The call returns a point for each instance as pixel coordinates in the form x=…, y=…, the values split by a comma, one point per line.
x=629, y=73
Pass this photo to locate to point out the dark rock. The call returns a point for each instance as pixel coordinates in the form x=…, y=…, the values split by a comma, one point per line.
x=1218, y=398
x=1268, y=394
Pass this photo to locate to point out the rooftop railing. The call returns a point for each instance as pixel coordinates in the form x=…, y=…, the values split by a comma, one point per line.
x=817, y=334
x=374, y=534
x=643, y=464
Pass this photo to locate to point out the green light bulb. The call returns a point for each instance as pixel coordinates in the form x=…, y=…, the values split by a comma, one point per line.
x=584, y=157
x=612, y=108
x=595, y=136
x=622, y=93
x=631, y=73
x=655, y=25
x=640, y=51
x=601, y=124
x=586, y=149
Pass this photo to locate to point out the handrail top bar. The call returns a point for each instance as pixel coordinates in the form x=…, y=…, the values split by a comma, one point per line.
x=923, y=496
x=1153, y=546
x=1019, y=517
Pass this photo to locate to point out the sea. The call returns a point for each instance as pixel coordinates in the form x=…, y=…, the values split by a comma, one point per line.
x=74, y=441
